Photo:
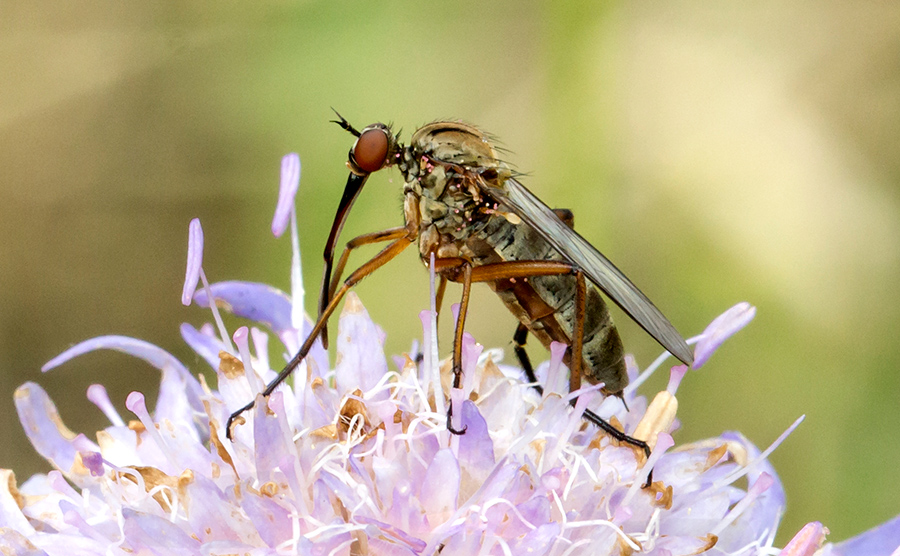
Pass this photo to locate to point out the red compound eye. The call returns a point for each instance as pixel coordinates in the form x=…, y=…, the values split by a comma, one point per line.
x=371, y=150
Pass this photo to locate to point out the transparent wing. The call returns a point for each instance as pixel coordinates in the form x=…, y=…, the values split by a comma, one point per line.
x=595, y=266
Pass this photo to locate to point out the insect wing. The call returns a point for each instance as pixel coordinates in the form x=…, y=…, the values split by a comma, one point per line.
x=596, y=267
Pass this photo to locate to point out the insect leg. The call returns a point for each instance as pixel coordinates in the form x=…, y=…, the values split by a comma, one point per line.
x=519, y=338
x=578, y=334
x=365, y=239
x=457, y=341
x=566, y=216
x=386, y=254
x=526, y=269
x=439, y=296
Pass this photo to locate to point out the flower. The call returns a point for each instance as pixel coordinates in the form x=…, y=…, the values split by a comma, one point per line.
x=357, y=459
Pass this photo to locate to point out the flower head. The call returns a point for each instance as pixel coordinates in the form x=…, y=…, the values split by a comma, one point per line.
x=356, y=458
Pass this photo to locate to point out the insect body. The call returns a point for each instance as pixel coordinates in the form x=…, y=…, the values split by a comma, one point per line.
x=459, y=218
x=464, y=207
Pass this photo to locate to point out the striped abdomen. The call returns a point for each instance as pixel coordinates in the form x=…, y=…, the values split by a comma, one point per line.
x=546, y=304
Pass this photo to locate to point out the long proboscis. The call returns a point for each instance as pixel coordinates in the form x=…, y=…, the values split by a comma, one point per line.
x=355, y=183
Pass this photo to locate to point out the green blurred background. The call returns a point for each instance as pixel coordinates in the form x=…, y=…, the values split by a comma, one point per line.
x=717, y=152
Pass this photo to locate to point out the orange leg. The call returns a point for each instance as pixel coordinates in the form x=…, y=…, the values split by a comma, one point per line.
x=355, y=277
x=359, y=241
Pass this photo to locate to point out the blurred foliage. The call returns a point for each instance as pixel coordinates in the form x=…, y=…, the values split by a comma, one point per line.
x=717, y=152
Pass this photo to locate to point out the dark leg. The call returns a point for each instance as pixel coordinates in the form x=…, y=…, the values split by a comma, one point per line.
x=519, y=338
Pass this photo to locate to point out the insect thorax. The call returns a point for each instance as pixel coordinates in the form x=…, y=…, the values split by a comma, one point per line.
x=451, y=206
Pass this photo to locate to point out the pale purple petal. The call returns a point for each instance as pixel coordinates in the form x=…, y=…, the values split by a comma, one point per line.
x=194, y=261
x=387, y=548
x=206, y=346
x=250, y=300
x=44, y=427
x=211, y=518
x=290, y=181
x=14, y=542
x=723, y=327
x=440, y=487
x=10, y=514
x=156, y=356
x=361, y=362
x=156, y=535
x=270, y=451
x=878, y=541
x=538, y=541
x=174, y=401
x=273, y=521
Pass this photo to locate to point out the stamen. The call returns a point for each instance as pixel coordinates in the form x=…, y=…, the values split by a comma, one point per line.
x=287, y=190
x=556, y=379
x=762, y=484
x=136, y=404
x=658, y=418
x=728, y=479
x=194, y=261
x=241, y=336
x=433, y=366
x=661, y=413
x=97, y=394
x=675, y=376
x=471, y=351
x=220, y=324
x=298, y=293
x=261, y=348
x=195, y=270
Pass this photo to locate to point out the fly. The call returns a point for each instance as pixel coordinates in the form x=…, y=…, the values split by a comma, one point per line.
x=463, y=205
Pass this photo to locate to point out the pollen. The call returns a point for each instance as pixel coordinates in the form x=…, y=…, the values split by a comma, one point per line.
x=658, y=418
x=269, y=489
x=230, y=366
